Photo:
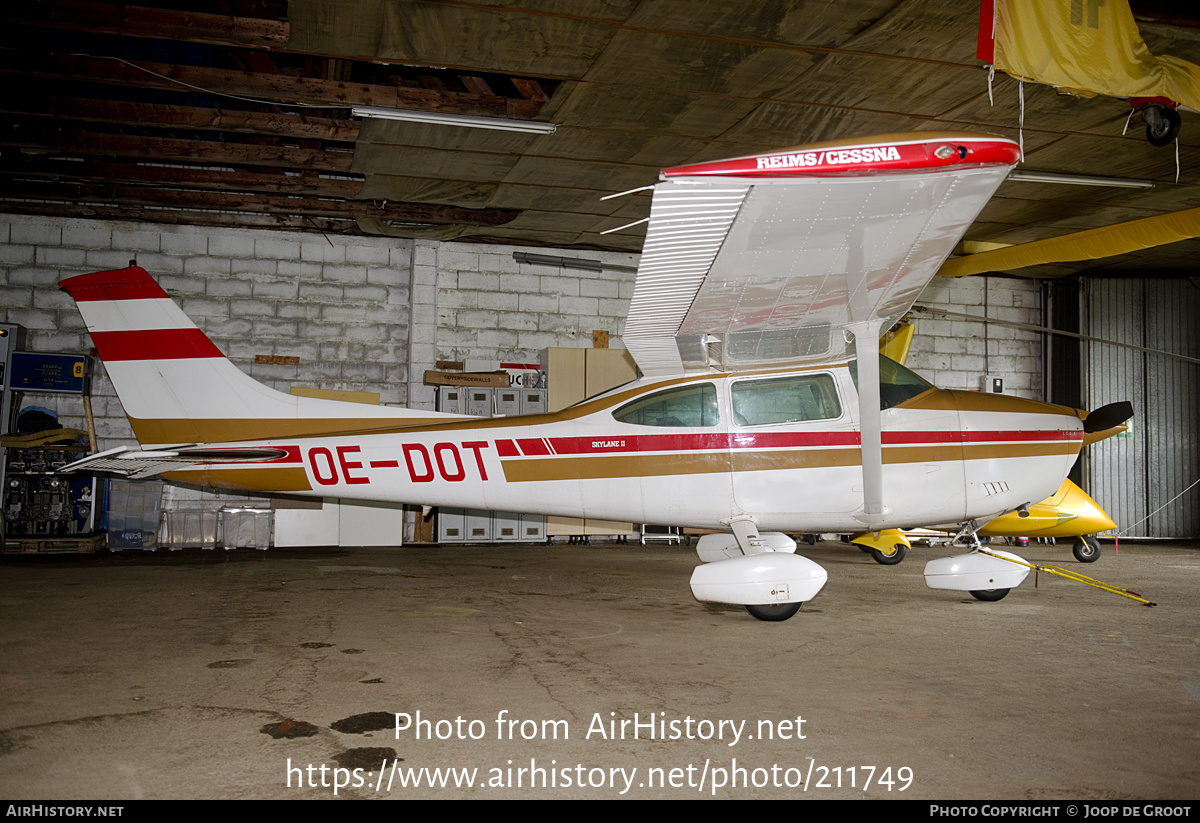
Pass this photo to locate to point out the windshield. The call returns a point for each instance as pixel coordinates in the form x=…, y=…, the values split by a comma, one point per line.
x=896, y=383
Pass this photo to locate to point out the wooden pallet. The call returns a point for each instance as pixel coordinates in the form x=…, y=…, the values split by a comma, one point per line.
x=55, y=545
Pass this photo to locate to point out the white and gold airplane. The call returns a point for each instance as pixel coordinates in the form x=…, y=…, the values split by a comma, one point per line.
x=764, y=406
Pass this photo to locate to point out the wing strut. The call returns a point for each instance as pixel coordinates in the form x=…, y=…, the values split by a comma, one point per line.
x=866, y=349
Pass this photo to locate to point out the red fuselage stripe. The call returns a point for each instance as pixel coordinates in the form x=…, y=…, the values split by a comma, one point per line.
x=780, y=440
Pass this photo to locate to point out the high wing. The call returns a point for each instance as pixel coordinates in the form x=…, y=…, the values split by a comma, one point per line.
x=778, y=258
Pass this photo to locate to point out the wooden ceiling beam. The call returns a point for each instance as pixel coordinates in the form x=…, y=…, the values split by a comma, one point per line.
x=476, y=84
x=530, y=89
x=184, y=217
x=158, y=115
x=102, y=171
x=122, y=194
x=140, y=21
x=276, y=88
x=166, y=149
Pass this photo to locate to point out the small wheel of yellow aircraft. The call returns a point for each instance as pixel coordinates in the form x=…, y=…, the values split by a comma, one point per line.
x=887, y=547
x=1086, y=549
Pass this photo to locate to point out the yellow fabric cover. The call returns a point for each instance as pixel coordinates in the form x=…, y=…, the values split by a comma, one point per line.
x=1089, y=46
x=1092, y=244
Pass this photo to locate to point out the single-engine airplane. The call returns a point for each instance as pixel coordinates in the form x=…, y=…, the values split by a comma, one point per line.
x=764, y=405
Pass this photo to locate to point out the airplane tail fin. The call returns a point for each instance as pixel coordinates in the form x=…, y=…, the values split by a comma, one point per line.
x=176, y=385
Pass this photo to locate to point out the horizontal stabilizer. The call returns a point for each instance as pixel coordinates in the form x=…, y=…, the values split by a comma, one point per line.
x=131, y=463
x=138, y=464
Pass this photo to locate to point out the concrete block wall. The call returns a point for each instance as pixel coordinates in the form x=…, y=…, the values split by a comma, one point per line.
x=341, y=305
x=955, y=353
x=475, y=302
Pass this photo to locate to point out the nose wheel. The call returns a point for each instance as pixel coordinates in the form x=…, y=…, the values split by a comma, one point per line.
x=1086, y=549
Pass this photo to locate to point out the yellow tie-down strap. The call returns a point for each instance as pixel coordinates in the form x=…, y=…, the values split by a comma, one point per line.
x=1070, y=575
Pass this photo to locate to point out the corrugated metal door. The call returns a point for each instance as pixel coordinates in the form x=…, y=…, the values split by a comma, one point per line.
x=1136, y=475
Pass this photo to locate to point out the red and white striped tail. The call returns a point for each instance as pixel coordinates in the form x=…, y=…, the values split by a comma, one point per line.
x=178, y=388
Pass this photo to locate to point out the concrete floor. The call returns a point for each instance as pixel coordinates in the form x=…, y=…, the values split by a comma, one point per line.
x=209, y=674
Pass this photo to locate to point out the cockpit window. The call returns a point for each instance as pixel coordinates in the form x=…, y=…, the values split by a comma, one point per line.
x=694, y=405
x=896, y=383
x=785, y=400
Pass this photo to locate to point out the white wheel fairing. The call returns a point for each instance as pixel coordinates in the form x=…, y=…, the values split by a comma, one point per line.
x=759, y=579
x=975, y=572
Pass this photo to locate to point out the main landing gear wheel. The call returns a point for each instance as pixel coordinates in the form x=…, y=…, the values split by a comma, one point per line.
x=900, y=550
x=989, y=595
x=1086, y=549
x=774, y=612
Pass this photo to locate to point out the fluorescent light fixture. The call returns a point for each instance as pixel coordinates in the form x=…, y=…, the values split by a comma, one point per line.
x=439, y=119
x=1079, y=179
x=568, y=262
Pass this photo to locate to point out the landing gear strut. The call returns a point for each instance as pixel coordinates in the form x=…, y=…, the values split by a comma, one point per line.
x=758, y=570
x=986, y=576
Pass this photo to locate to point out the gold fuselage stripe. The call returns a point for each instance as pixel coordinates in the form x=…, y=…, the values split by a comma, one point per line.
x=612, y=466
x=231, y=430
x=272, y=479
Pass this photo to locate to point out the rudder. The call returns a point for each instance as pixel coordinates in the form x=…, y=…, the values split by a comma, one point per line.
x=177, y=387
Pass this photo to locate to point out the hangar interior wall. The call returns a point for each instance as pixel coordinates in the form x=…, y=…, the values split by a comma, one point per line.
x=372, y=314
x=1142, y=477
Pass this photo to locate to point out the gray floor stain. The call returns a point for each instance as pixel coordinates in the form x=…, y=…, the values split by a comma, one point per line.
x=365, y=758
x=290, y=729
x=366, y=722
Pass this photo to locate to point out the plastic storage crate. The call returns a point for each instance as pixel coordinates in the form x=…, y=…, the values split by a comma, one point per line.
x=189, y=530
x=132, y=514
x=244, y=528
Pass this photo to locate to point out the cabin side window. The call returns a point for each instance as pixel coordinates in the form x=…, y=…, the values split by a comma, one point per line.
x=791, y=399
x=896, y=382
x=687, y=406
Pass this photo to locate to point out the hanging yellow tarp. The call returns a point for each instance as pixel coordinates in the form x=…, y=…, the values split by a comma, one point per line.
x=1088, y=46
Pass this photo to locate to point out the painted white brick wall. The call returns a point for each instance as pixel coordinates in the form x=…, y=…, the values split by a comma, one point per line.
x=955, y=353
x=490, y=307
